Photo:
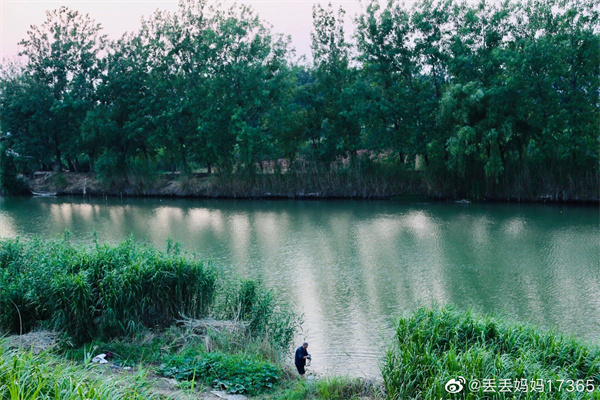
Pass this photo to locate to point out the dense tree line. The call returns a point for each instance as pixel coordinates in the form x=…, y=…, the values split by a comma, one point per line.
x=480, y=97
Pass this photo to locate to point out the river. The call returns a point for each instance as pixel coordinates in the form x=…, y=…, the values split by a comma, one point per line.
x=351, y=266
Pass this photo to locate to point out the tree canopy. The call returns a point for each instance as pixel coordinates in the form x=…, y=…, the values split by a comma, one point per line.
x=482, y=98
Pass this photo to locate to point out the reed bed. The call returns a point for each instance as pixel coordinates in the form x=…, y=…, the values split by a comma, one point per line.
x=107, y=291
x=362, y=180
x=99, y=292
x=432, y=346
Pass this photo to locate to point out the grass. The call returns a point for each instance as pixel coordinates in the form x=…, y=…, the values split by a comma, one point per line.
x=26, y=376
x=432, y=346
x=329, y=388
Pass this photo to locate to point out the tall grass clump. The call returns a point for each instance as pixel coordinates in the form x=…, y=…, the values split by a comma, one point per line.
x=432, y=346
x=24, y=375
x=100, y=292
x=267, y=318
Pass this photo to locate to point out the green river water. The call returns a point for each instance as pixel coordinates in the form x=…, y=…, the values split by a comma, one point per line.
x=351, y=266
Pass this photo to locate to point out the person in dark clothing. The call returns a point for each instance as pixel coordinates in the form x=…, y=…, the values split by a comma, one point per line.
x=300, y=358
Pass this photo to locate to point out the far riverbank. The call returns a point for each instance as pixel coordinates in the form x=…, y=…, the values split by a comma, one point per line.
x=334, y=185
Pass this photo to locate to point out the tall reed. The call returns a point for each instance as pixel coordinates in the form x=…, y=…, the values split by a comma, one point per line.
x=432, y=346
x=104, y=291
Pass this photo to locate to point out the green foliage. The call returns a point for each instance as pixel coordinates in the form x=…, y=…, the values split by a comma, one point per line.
x=267, y=317
x=10, y=183
x=24, y=375
x=364, y=178
x=432, y=346
x=105, y=291
x=63, y=57
x=110, y=168
x=233, y=373
x=330, y=388
x=495, y=99
x=58, y=181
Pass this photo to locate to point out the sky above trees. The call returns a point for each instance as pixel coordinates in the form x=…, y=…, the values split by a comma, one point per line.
x=290, y=17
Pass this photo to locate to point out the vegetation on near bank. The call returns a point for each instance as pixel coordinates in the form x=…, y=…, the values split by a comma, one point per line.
x=144, y=308
x=109, y=291
x=147, y=309
x=485, y=99
x=432, y=346
x=25, y=376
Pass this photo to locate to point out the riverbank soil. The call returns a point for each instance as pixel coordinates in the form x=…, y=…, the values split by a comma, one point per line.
x=86, y=183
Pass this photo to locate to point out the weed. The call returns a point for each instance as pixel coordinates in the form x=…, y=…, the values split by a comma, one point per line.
x=233, y=373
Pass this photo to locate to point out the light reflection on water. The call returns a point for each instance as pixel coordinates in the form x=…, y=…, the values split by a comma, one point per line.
x=351, y=266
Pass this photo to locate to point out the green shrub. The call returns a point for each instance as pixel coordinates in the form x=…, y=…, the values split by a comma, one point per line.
x=110, y=167
x=433, y=346
x=233, y=373
x=58, y=181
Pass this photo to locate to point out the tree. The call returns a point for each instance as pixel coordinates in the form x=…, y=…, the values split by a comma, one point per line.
x=25, y=117
x=246, y=76
x=63, y=55
x=334, y=94
x=392, y=112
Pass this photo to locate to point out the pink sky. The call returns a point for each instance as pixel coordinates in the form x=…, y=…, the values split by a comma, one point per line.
x=291, y=17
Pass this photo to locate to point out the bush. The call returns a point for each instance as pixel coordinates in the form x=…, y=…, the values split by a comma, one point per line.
x=110, y=167
x=433, y=346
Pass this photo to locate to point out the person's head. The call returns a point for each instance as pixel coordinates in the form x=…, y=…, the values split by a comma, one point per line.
x=305, y=345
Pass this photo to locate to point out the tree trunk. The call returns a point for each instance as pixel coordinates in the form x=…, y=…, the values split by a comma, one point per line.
x=57, y=154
